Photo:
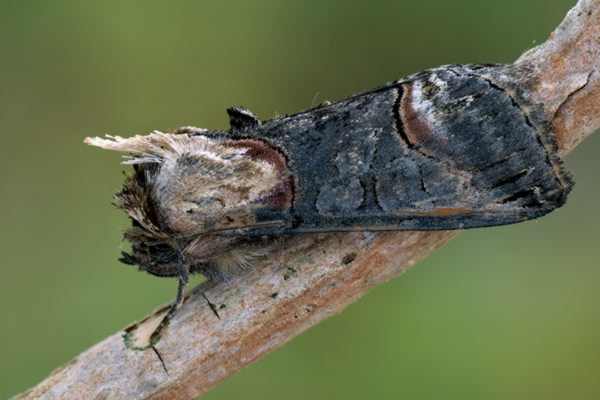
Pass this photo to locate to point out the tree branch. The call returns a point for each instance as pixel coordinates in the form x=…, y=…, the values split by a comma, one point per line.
x=308, y=278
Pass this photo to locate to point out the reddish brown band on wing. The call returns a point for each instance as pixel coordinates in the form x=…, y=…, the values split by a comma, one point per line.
x=282, y=195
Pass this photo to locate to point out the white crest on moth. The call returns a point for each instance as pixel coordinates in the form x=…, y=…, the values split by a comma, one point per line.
x=156, y=147
x=201, y=182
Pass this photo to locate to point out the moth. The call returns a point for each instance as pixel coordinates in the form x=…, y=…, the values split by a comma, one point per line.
x=453, y=147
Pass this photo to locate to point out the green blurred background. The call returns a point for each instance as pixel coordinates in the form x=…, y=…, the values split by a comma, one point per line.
x=504, y=313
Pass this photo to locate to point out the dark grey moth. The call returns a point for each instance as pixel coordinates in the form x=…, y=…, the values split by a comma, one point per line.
x=450, y=148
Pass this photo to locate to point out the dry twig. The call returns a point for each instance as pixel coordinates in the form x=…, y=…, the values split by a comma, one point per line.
x=314, y=276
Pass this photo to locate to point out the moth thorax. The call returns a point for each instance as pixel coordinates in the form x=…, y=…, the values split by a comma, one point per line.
x=197, y=192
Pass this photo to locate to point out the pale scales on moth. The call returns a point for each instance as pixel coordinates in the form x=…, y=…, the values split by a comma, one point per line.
x=186, y=188
x=449, y=148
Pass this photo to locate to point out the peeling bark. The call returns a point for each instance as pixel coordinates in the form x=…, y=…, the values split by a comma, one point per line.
x=311, y=277
x=565, y=75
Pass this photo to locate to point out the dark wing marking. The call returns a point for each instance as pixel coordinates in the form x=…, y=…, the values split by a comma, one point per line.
x=242, y=120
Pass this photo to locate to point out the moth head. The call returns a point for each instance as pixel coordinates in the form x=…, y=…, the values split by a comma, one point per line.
x=198, y=183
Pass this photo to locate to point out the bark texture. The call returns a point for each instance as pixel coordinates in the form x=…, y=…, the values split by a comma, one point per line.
x=220, y=329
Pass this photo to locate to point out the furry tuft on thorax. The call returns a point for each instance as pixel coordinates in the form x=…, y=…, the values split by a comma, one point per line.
x=185, y=189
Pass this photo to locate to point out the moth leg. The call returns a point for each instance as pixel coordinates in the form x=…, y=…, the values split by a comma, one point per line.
x=183, y=274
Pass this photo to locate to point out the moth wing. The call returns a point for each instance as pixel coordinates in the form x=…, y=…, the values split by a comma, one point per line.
x=447, y=149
